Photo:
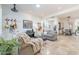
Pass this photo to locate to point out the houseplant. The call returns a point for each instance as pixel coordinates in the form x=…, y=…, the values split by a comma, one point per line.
x=6, y=46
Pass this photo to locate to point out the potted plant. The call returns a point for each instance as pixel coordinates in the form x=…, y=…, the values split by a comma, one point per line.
x=6, y=46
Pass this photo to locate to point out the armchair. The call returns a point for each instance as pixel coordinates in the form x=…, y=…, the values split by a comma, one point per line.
x=29, y=45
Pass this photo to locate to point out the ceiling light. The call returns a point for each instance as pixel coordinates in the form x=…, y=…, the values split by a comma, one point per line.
x=14, y=8
x=37, y=5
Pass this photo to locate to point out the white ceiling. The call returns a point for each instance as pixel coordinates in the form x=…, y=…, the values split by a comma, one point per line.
x=45, y=9
x=74, y=13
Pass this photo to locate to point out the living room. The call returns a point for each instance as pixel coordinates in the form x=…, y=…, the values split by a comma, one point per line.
x=40, y=29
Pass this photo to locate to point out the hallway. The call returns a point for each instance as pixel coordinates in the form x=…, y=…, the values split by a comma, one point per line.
x=65, y=45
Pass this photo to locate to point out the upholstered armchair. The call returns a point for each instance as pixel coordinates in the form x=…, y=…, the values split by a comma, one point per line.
x=29, y=45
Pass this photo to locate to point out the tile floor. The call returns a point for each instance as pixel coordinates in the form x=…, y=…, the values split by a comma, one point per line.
x=65, y=45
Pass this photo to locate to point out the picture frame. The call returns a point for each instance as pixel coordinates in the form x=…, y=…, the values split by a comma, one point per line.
x=27, y=24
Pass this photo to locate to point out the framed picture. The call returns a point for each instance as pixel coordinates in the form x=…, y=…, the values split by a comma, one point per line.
x=27, y=24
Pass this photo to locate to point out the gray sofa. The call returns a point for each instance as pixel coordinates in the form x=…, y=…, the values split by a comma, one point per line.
x=49, y=35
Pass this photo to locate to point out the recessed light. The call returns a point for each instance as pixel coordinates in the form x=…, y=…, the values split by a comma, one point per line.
x=37, y=5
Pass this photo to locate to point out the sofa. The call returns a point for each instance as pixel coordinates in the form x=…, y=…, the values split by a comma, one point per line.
x=49, y=35
x=29, y=46
x=30, y=33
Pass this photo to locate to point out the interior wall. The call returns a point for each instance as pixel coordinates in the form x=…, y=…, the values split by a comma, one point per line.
x=0, y=19
x=19, y=16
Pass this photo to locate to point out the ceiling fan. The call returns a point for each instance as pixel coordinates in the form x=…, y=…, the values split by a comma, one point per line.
x=14, y=8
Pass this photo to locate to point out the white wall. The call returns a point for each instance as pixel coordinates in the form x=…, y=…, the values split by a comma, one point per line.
x=0, y=19
x=19, y=16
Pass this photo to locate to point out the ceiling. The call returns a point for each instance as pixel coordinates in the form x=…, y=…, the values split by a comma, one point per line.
x=72, y=14
x=45, y=9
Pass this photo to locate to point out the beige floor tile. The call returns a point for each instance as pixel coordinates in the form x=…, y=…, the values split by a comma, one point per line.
x=65, y=45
